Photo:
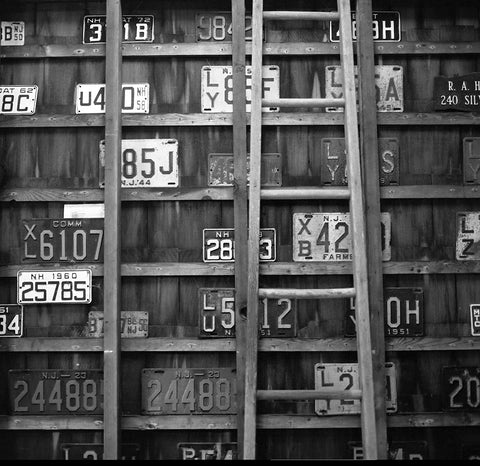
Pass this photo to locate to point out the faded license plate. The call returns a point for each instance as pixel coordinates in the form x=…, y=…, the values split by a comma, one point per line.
x=475, y=319
x=333, y=162
x=90, y=98
x=409, y=450
x=18, y=100
x=219, y=244
x=326, y=237
x=468, y=236
x=135, y=28
x=94, y=451
x=333, y=377
x=471, y=160
x=56, y=391
x=217, y=26
x=220, y=169
x=11, y=320
x=277, y=318
x=133, y=324
x=146, y=163
x=62, y=240
x=388, y=86
x=461, y=388
x=12, y=33
x=73, y=286
x=207, y=451
x=189, y=391
x=217, y=88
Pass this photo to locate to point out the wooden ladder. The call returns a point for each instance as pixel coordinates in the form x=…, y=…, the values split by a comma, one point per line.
x=357, y=212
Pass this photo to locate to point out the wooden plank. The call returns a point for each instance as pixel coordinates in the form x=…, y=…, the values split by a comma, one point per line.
x=299, y=293
x=301, y=15
x=307, y=394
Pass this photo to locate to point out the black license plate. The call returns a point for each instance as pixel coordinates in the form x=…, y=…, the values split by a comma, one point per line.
x=461, y=388
x=408, y=450
x=207, y=451
x=471, y=160
x=216, y=26
x=475, y=319
x=135, y=29
x=11, y=320
x=94, y=451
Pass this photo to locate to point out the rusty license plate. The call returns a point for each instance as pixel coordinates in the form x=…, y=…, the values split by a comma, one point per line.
x=133, y=324
x=468, y=236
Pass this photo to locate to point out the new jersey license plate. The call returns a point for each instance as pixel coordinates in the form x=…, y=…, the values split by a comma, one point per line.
x=468, y=236
x=49, y=240
x=146, y=163
x=219, y=244
x=333, y=377
x=60, y=286
x=136, y=28
x=18, y=100
x=133, y=324
x=12, y=33
x=326, y=237
x=52, y=391
x=217, y=26
x=11, y=320
x=189, y=391
x=461, y=388
x=94, y=451
x=90, y=98
x=217, y=88
x=207, y=451
x=277, y=317
x=388, y=86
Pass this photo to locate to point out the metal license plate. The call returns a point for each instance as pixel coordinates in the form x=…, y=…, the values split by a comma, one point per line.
x=388, y=85
x=50, y=240
x=333, y=162
x=277, y=318
x=457, y=92
x=56, y=391
x=18, y=100
x=475, y=319
x=325, y=237
x=471, y=160
x=468, y=236
x=146, y=163
x=409, y=450
x=207, y=451
x=217, y=88
x=135, y=28
x=72, y=286
x=219, y=245
x=12, y=33
x=90, y=98
x=11, y=320
x=333, y=377
x=189, y=391
x=385, y=27
x=404, y=313
x=461, y=388
x=133, y=324
x=217, y=26
x=94, y=451
x=220, y=169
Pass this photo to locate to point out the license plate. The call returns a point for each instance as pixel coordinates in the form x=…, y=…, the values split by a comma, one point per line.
x=189, y=391
x=94, y=451
x=470, y=451
x=146, y=163
x=90, y=98
x=217, y=88
x=461, y=388
x=84, y=210
x=11, y=320
x=388, y=85
x=207, y=451
x=135, y=29
x=475, y=319
x=133, y=324
x=468, y=236
x=471, y=160
x=326, y=237
x=216, y=26
x=220, y=169
x=219, y=244
x=403, y=310
x=333, y=161
x=409, y=450
x=385, y=27
x=62, y=240
x=333, y=377
x=59, y=286
x=52, y=391
x=277, y=318
x=12, y=33
x=18, y=100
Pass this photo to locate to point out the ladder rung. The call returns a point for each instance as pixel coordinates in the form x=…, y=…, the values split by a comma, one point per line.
x=305, y=193
x=309, y=395
x=300, y=293
x=305, y=102
x=302, y=15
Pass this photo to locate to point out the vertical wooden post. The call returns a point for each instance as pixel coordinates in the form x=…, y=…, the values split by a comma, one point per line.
x=112, y=245
x=370, y=169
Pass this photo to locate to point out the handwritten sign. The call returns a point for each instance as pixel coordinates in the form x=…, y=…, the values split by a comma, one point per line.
x=457, y=93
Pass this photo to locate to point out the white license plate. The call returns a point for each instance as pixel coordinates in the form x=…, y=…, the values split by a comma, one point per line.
x=18, y=100
x=475, y=319
x=84, y=210
x=12, y=33
x=90, y=98
x=468, y=236
x=11, y=320
x=217, y=88
x=219, y=244
x=59, y=286
x=388, y=85
x=334, y=377
x=326, y=237
x=146, y=163
x=133, y=324
x=135, y=29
